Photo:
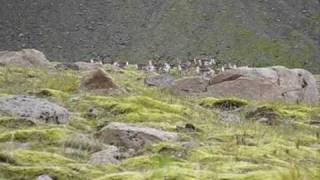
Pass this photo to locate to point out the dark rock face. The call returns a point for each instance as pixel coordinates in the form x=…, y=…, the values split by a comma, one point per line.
x=34, y=109
x=99, y=81
x=256, y=32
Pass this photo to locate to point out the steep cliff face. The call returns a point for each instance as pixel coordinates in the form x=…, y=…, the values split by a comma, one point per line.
x=260, y=33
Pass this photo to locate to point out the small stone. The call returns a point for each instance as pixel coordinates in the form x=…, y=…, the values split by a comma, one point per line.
x=110, y=155
x=229, y=117
x=44, y=177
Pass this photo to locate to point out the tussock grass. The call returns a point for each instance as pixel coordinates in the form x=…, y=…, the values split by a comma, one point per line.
x=216, y=150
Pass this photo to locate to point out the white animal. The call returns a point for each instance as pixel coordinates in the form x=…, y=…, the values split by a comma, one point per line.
x=150, y=67
x=213, y=61
x=179, y=68
x=166, y=68
x=222, y=69
x=206, y=63
x=210, y=74
x=197, y=70
x=116, y=64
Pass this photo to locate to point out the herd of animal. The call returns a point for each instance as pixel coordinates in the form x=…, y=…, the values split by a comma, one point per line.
x=207, y=67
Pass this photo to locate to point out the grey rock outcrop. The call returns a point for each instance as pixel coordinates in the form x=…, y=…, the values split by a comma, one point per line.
x=271, y=84
x=25, y=58
x=132, y=136
x=28, y=107
x=190, y=85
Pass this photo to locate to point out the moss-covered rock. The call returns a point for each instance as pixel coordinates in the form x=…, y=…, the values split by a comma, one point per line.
x=223, y=104
x=265, y=114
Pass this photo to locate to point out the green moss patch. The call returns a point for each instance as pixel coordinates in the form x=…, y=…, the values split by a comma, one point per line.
x=167, y=149
x=27, y=157
x=135, y=108
x=122, y=176
x=56, y=95
x=34, y=135
x=31, y=172
x=18, y=80
x=11, y=122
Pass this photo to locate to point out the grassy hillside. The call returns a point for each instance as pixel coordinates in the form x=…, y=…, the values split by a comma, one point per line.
x=256, y=33
x=285, y=149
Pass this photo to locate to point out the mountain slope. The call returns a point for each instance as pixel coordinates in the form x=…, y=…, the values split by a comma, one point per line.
x=259, y=33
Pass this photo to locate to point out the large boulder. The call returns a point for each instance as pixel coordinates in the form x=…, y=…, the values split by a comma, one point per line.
x=270, y=84
x=190, y=85
x=134, y=137
x=32, y=108
x=25, y=58
x=259, y=84
x=99, y=81
x=310, y=92
x=163, y=80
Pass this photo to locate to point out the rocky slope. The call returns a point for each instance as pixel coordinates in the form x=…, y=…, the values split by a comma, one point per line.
x=147, y=133
x=259, y=33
